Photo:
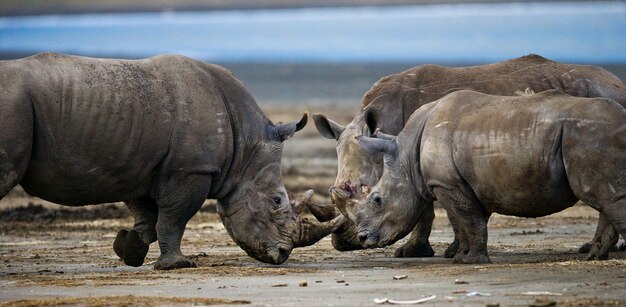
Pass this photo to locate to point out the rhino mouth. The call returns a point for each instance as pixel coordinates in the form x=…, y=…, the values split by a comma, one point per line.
x=369, y=239
x=277, y=254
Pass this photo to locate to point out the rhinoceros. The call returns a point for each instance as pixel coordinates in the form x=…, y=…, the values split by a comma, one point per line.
x=476, y=154
x=397, y=96
x=161, y=134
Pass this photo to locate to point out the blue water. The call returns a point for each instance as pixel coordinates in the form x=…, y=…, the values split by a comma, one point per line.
x=592, y=32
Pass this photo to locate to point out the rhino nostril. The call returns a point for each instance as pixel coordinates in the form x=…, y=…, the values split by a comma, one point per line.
x=363, y=237
x=283, y=254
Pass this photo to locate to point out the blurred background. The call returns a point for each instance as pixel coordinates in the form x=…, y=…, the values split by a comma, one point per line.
x=319, y=52
x=321, y=55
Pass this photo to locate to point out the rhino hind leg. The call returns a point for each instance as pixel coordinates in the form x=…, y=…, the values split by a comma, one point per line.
x=455, y=246
x=418, y=245
x=603, y=241
x=145, y=213
x=130, y=247
x=611, y=225
x=182, y=198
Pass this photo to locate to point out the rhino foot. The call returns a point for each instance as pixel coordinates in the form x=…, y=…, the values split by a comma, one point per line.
x=585, y=248
x=472, y=258
x=130, y=247
x=452, y=249
x=410, y=249
x=172, y=262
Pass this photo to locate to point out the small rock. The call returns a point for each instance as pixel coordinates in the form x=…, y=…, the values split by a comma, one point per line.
x=543, y=302
x=492, y=305
x=303, y=283
x=400, y=277
x=279, y=285
x=460, y=282
x=340, y=281
x=318, y=281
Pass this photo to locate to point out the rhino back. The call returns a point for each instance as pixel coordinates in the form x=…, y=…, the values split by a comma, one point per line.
x=104, y=128
x=506, y=150
x=398, y=96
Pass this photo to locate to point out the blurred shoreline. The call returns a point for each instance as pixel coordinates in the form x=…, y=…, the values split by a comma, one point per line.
x=42, y=7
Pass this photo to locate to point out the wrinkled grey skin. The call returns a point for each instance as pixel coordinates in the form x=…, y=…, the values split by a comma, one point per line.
x=394, y=98
x=161, y=134
x=478, y=154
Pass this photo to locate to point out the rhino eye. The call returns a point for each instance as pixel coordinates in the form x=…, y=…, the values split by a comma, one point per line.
x=277, y=200
x=377, y=200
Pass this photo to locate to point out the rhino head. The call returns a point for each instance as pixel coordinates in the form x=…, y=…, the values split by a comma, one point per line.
x=257, y=214
x=356, y=167
x=358, y=170
x=389, y=211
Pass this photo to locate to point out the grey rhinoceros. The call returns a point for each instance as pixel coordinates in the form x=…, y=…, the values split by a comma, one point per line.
x=397, y=96
x=161, y=134
x=477, y=154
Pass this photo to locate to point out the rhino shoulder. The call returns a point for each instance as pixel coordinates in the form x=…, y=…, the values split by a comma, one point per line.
x=532, y=59
x=407, y=80
x=48, y=56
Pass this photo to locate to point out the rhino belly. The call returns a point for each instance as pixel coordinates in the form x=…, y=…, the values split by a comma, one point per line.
x=65, y=174
x=529, y=189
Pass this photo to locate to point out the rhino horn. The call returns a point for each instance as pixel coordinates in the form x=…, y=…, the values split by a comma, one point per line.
x=312, y=231
x=342, y=200
x=322, y=213
x=345, y=238
x=376, y=145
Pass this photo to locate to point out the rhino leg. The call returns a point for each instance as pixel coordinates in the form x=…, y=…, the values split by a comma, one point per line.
x=455, y=246
x=418, y=245
x=132, y=246
x=182, y=198
x=452, y=249
x=463, y=246
x=605, y=238
x=129, y=247
x=472, y=220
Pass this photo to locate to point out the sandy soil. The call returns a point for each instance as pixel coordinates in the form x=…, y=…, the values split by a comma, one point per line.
x=53, y=255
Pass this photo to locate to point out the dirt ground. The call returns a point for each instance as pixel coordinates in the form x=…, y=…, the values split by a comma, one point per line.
x=54, y=255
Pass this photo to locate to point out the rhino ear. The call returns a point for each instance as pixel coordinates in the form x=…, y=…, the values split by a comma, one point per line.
x=375, y=145
x=328, y=128
x=280, y=132
x=372, y=120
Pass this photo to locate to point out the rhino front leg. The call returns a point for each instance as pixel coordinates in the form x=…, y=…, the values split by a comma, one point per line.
x=418, y=245
x=472, y=221
x=132, y=246
x=182, y=198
